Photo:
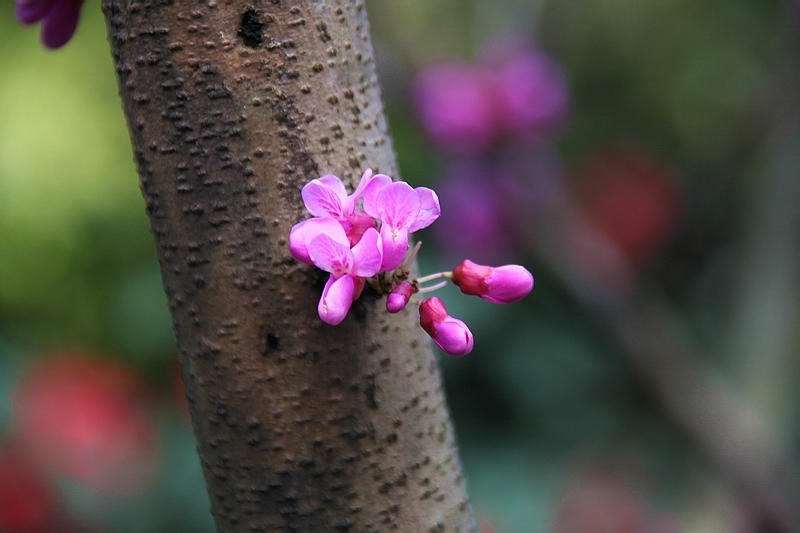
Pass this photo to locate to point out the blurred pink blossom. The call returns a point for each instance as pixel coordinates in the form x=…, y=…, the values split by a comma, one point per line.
x=516, y=92
x=455, y=104
x=87, y=418
x=490, y=207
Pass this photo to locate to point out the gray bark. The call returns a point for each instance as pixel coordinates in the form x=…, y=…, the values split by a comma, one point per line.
x=232, y=107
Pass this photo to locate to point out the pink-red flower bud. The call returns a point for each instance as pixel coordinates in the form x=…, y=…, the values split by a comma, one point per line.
x=450, y=334
x=399, y=297
x=499, y=285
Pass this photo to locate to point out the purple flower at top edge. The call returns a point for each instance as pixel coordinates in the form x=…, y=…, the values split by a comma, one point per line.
x=59, y=18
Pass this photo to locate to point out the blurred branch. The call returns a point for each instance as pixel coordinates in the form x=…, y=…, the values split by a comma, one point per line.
x=732, y=431
x=232, y=107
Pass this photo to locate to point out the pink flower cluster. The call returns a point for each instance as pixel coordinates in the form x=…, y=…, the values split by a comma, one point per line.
x=59, y=18
x=363, y=237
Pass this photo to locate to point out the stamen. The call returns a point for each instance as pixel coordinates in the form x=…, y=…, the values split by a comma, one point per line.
x=410, y=259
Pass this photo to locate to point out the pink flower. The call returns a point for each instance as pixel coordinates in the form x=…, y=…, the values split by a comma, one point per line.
x=326, y=197
x=401, y=210
x=59, y=18
x=399, y=297
x=346, y=266
x=500, y=285
x=450, y=334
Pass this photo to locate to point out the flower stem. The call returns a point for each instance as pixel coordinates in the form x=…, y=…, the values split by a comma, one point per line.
x=432, y=287
x=431, y=277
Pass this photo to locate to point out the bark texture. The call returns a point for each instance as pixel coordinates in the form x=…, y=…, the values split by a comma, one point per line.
x=233, y=106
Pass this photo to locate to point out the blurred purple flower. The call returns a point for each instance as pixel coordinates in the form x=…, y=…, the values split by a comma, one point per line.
x=59, y=18
x=515, y=92
x=532, y=94
x=475, y=220
x=455, y=103
x=489, y=207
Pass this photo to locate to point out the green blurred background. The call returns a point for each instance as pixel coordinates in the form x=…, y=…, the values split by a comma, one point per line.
x=560, y=427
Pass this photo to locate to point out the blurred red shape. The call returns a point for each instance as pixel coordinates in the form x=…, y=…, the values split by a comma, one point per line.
x=485, y=526
x=603, y=502
x=87, y=418
x=27, y=502
x=600, y=504
x=630, y=199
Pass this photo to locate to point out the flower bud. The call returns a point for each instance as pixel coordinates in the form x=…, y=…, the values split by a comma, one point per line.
x=399, y=297
x=499, y=285
x=450, y=334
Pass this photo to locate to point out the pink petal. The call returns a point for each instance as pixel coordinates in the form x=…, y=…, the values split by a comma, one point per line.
x=333, y=183
x=337, y=296
x=395, y=246
x=453, y=336
x=429, y=209
x=352, y=200
x=431, y=312
x=509, y=283
x=399, y=297
x=356, y=224
x=330, y=256
x=303, y=232
x=324, y=196
x=398, y=205
x=367, y=255
x=371, y=191
x=450, y=334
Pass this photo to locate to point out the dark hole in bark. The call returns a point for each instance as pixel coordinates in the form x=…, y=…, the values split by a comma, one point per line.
x=250, y=29
x=273, y=342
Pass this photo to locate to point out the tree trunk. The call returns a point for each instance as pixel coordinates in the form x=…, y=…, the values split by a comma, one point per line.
x=232, y=107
